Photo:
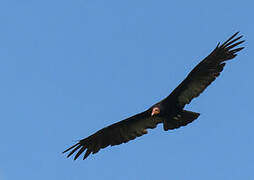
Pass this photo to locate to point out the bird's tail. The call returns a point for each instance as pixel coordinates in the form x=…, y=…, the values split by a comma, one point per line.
x=182, y=119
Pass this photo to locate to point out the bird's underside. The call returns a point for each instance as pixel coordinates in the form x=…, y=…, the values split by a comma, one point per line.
x=170, y=111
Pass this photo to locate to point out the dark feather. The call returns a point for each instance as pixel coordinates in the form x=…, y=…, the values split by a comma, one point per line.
x=86, y=154
x=75, y=149
x=205, y=72
x=172, y=114
x=115, y=134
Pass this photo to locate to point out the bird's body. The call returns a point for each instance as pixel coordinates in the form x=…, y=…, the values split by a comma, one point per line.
x=170, y=111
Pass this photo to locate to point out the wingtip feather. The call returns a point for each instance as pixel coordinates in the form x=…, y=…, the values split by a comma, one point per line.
x=70, y=148
x=228, y=41
x=75, y=149
x=88, y=151
x=80, y=152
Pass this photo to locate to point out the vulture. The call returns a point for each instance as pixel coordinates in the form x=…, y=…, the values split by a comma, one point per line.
x=169, y=111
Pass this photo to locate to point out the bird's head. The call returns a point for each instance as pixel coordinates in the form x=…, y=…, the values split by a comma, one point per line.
x=155, y=110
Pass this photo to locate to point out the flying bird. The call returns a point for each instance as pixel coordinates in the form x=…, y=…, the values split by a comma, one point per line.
x=169, y=111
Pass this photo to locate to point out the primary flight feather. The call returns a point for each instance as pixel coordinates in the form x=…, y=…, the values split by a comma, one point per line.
x=170, y=111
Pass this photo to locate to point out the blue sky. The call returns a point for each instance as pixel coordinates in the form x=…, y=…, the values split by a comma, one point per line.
x=69, y=68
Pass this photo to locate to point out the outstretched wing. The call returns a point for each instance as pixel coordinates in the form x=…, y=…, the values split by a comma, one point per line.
x=205, y=72
x=115, y=134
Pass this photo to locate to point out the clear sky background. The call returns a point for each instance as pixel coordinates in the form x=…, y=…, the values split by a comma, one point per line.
x=71, y=67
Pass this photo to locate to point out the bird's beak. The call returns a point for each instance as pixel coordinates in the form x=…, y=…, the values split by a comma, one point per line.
x=155, y=111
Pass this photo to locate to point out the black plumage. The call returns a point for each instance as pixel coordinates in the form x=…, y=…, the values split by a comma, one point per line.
x=170, y=111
